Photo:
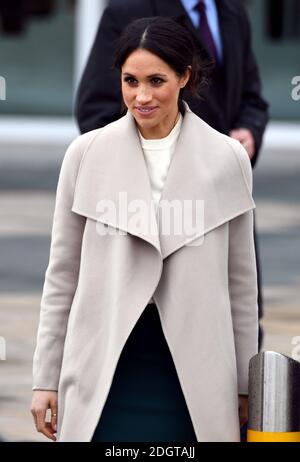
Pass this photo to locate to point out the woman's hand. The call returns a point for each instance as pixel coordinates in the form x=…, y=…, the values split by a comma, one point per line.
x=41, y=401
x=243, y=409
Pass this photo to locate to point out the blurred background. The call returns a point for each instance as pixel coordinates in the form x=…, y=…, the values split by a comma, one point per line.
x=44, y=45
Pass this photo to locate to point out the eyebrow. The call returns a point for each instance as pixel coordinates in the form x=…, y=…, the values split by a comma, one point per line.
x=149, y=76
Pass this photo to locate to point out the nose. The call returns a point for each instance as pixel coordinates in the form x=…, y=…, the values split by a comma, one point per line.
x=143, y=95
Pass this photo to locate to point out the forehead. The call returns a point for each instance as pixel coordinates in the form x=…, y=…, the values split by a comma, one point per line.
x=145, y=62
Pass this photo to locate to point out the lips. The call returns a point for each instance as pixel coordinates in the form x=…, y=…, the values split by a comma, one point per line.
x=146, y=110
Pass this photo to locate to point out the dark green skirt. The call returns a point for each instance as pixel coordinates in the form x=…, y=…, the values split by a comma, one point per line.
x=145, y=402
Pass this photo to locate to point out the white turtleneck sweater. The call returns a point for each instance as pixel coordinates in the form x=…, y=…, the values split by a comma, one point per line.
x=158, y=154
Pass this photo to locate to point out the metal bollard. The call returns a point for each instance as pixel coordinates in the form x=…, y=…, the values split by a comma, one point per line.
x=274, y=398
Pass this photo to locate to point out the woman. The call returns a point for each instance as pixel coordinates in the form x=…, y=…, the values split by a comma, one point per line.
x=148, y=322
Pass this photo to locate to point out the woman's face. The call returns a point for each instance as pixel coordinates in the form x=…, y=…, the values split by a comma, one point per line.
x=150, y=89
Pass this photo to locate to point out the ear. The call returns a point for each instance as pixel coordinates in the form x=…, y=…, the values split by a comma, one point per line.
x=186, y=76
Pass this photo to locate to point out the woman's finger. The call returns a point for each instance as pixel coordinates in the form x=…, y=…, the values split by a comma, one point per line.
x=49, y=431
x=42, y=426
x=40, y=418
x=34, y=417
x=54, y=417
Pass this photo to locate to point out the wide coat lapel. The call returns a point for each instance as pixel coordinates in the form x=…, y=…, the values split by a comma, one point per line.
x=114, y=171
x=204, y=176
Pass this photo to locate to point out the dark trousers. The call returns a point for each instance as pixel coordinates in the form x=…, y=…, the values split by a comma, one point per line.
x=145, y=402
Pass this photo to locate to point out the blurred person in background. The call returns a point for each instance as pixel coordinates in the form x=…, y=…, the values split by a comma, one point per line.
x=232, y=103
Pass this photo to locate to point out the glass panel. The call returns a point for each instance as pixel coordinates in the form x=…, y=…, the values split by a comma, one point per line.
x=37, y=59
x=276, y=43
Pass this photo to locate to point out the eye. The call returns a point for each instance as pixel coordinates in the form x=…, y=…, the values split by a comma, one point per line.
x=132, y=81
x=129, y=80
x=157, y=80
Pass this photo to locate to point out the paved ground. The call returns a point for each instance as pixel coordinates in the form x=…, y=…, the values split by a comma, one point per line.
x=26, y=207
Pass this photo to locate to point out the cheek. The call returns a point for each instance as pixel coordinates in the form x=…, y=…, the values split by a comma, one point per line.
x=168, y=94
x=125, y=92
x=128, y=93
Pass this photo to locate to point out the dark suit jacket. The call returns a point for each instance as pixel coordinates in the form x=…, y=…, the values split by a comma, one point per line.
x=232, y=101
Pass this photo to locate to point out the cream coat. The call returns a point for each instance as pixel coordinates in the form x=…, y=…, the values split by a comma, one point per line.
x=97, y=285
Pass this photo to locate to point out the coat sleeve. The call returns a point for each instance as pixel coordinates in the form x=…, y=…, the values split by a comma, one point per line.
x=253, y=112
x=61, y=276
x=243, y=283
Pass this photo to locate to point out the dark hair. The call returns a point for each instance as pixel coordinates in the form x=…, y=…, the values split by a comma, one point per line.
x=172, y=42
